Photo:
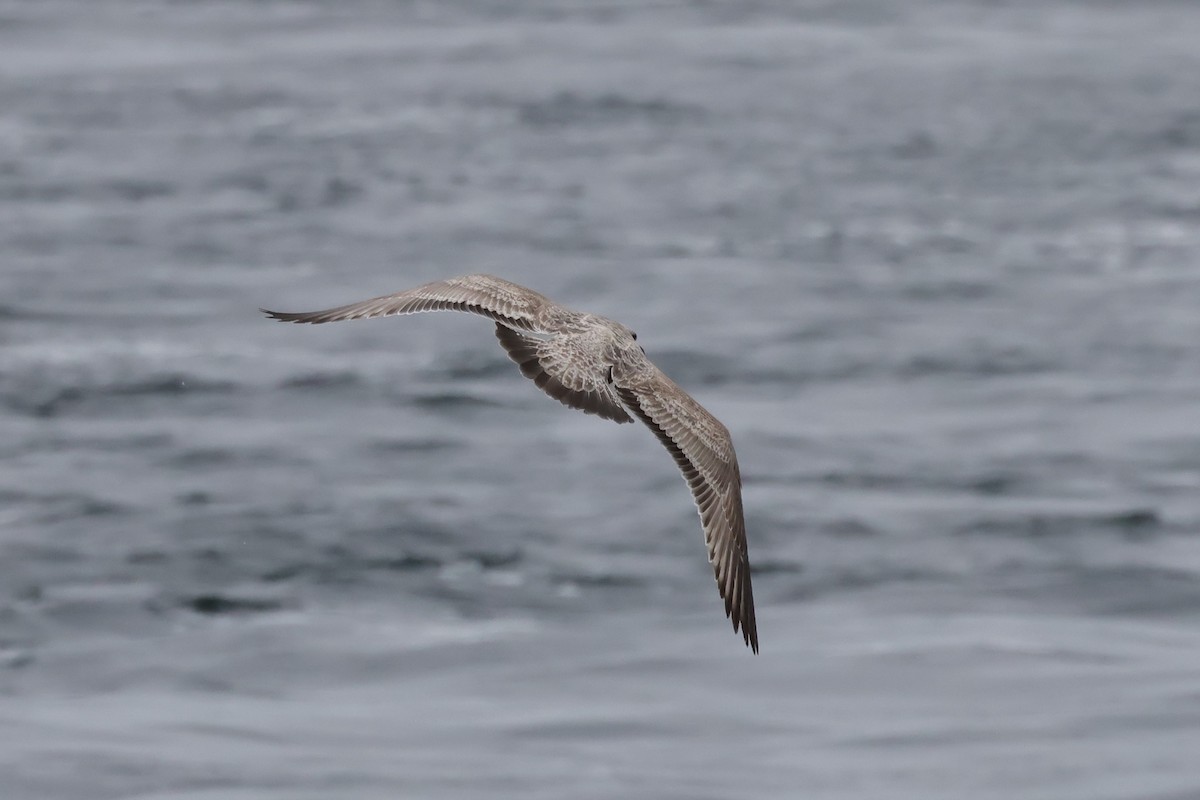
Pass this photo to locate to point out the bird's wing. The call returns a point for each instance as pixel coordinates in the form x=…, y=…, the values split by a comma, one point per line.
x=488, y=296
x=566, y=370
x=703, y=449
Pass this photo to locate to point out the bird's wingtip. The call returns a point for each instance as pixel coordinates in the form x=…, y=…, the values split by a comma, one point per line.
x=750, y=637
x=282, y=316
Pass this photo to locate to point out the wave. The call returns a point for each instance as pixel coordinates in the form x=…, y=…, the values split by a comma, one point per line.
x=449, y=400
x=860, y=578
x=33, y=397
x=1135, y=522
x=420, y=445
x=569, y=108
x=339, y=563
x=225, y=604
x=323, y=380
x=54, y=507
x=975, y=362
x=1116, y=590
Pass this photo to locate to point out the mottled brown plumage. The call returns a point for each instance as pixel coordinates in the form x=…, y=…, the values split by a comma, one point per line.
x=594, y=364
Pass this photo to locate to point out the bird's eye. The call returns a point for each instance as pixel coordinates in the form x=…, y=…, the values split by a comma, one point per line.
x=634, y=335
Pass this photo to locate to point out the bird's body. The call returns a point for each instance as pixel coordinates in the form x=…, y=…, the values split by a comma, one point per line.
x=595, y=364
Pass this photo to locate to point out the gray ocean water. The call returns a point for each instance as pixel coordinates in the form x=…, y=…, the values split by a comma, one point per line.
x=935, y=264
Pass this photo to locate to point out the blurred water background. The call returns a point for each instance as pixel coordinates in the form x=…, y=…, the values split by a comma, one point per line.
x=935, y=264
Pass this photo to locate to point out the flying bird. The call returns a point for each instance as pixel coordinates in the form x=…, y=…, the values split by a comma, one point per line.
x=594, y=364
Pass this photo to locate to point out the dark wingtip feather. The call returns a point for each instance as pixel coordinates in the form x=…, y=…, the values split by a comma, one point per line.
x=739, y=607
x=284, y=316
x=749, y=629
x=749, y=624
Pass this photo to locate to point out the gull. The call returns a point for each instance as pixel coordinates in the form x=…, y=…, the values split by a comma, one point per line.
x=595, y=365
